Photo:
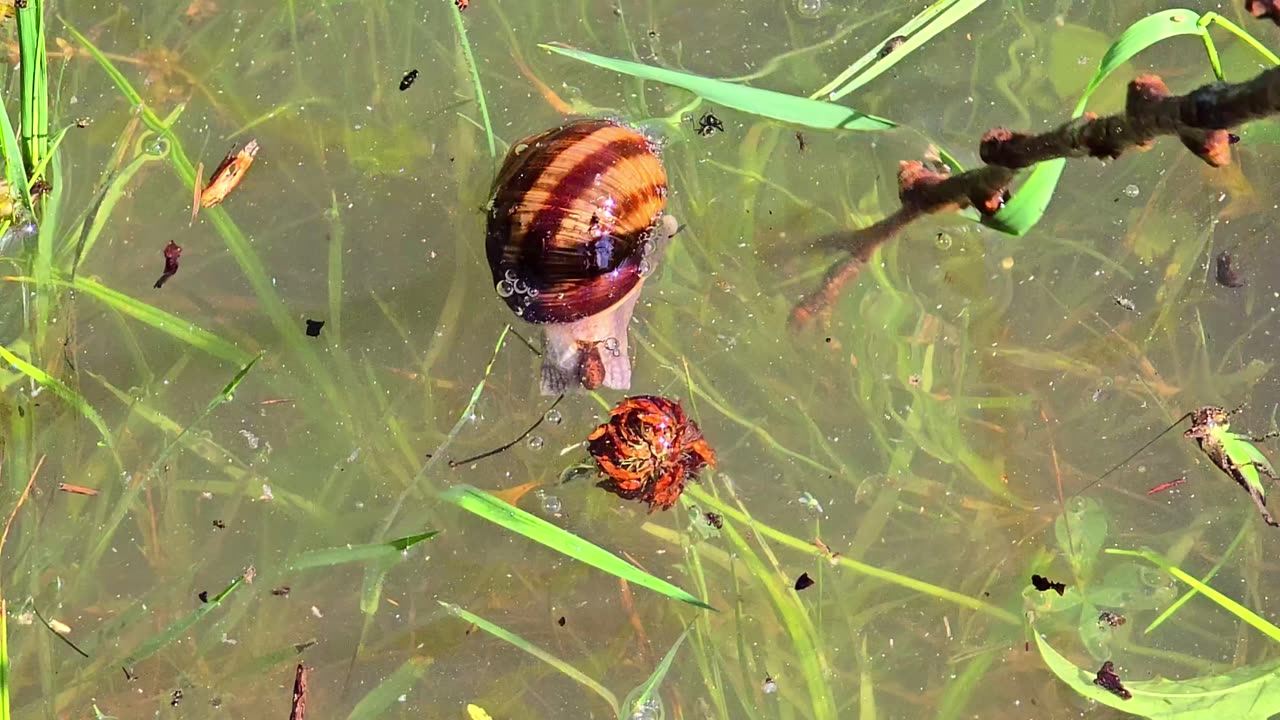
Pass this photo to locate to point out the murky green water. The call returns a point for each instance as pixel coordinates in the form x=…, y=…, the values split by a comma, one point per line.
x=965, y=385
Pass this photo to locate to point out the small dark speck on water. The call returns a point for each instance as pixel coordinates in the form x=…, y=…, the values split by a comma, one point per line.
x=561, y=622
x=804, y=581
x=313, y=327
x=1227, y=273
x=204, y=596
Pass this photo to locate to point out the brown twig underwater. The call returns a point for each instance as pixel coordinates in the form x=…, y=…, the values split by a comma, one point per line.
x=1200, y=119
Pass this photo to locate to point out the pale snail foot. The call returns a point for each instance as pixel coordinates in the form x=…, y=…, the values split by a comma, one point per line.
x=606, y=332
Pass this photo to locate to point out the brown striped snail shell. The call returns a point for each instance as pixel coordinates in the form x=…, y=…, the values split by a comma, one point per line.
x=575, y=225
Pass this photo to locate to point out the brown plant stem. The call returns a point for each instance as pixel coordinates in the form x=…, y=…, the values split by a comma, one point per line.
x=1200, y=119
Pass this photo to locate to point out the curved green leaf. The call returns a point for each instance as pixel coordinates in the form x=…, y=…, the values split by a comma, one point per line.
x=1250, y=693
x=535, y=528
x=1027, y=206
x=767, y=103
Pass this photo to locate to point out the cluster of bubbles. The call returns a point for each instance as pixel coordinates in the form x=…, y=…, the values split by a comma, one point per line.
x=551, y=504
x=512, y=284
x=612, y=346
x=648, y=260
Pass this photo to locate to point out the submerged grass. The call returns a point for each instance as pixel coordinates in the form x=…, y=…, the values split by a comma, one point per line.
x=913, y=421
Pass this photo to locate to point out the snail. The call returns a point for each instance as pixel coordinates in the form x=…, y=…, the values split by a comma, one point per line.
x=576, y=223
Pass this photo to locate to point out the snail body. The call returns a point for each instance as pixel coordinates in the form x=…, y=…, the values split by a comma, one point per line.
x=575, y=225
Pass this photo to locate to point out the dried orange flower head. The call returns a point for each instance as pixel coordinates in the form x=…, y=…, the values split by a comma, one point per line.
x=648, y=450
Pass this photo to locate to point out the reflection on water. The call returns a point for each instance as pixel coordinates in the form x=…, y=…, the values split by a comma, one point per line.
x=912, y=456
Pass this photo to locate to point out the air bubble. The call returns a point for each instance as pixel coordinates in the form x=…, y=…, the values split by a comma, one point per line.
x=551, y=505
x=521, y=287
x=646, y=268
x=810, y=8
x=511, y=276
x=535, y=443
x=611, y=344
x=943, y=241
x=1131, y=190
x=506, y=289
x=554, y=417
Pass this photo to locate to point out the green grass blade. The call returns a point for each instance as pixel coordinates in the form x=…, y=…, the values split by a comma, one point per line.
x=178, y=630
x=906, y=30
x=4, y=660
x=635, y=700
x=377, y=552
x=1240, y=32
x=1252, y=691
x=34, y=65
x=1227, y=603
x=461, y=29
x=57, y=387
x=1222, y=561
x=15, y=168
x=538, y=530
x=514, y=640
x=384, y=697
x=179, y=329
x=1028, y=204
x=948, y=17
x=767, y=103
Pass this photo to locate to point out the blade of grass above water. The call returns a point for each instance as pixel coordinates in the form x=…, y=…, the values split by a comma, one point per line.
x=1028, y=204
x=540, y=531
x=767, y=103
x=60, y=389
x=1227, y=603
x=514, y=640
x=956, y=11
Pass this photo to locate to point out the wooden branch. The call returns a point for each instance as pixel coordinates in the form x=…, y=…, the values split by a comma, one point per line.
x=1199, y=119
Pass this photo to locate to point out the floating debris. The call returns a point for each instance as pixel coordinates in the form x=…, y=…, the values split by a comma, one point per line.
x=709, y=124
x=406, y=82
x=299, y=706
x=1044, y=584
x=1111, y=619
x=804, y=582
x=282, y=591
x=561, y=622
x=715, y=520
x=219, y=525
x=1166, y=485
x=648, y=450
x=801, y=141
x=172, y=252
x=1125, y=303
x=1227, y=273
x=175, y=699
x=203, y=595
x=462, y=4
x=313, y=327
x=228, y=174
x=890, y=45
x=1110, y=681
x=770, y=686
x=1234, y=453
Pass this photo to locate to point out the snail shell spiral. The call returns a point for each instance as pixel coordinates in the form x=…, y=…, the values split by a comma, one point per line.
x=576, y=214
